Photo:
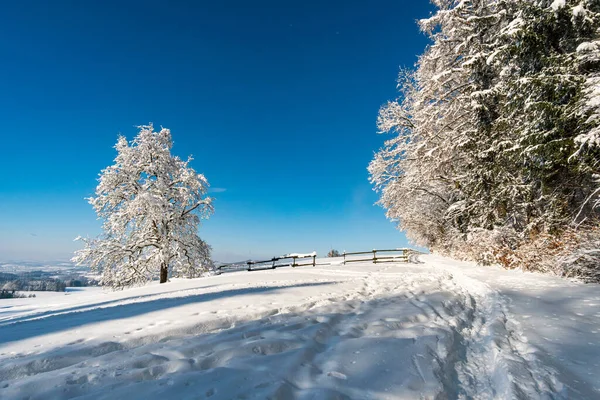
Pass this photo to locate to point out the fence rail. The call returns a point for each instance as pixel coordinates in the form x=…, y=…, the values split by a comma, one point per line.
x=404, y=255
x=271, y=263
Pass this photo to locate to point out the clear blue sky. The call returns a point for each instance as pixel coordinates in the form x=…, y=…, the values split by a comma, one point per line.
x=276, y=100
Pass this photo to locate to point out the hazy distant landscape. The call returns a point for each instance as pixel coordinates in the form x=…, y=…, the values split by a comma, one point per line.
x=44, y=276
x=47, y=266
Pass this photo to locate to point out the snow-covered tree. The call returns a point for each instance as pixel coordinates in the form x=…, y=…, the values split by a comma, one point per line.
x=434, y=176
x=10, y=287
x=545, y=69
x=587, y=141
x=151, y=204
x=497, y=130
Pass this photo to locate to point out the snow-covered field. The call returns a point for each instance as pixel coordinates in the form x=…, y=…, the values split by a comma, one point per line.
x=437, y=329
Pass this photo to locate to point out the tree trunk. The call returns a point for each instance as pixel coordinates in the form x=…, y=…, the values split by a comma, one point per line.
x=164, y=273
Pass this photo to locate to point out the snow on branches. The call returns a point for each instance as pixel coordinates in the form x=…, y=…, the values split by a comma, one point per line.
x=151, y=204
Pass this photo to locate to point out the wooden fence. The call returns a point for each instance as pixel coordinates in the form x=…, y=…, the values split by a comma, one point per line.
x=288, y=261
x=402, y=255
x=291, y=260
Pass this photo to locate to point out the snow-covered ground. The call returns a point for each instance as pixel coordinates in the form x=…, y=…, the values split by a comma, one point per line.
x=436, y=329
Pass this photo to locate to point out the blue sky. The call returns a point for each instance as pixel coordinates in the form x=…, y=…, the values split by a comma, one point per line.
x=276, y=101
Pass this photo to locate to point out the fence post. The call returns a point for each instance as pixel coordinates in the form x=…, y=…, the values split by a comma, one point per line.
x=374, y=257
x=314, y=260
x=249, y=265
x=344, y=257
x=293, y=262
x=273, y=267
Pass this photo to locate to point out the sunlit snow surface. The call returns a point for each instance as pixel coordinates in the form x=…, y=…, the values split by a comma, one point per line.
x=361, y=331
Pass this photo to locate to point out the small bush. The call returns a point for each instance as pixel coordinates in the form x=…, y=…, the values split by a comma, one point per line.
x=333, y=253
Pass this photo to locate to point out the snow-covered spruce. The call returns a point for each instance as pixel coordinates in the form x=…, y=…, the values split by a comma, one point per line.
x=151, y=203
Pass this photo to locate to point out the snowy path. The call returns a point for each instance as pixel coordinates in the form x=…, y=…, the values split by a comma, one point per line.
x=439, y=329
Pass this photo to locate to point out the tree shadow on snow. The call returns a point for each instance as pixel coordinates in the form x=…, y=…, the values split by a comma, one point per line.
x=78, y=316
x=347, y=349
x=88, y=306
